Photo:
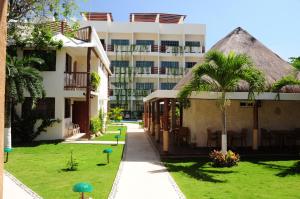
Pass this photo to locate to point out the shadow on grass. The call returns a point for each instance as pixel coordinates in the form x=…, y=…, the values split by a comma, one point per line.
x=283, y=170
x=37, y=143
x=101, y=164
x=199, y=170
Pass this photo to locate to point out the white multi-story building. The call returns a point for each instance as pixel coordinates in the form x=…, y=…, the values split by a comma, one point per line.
x=70, y=96
x=152, y=51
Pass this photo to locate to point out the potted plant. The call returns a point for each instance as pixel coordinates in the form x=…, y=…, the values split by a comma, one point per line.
x=95, y=81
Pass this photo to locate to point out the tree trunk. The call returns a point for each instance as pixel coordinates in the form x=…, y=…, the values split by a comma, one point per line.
x=7, y=124
x=224, y=132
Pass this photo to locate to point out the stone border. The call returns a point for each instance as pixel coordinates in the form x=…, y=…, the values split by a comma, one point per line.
x=114, y=189
x=22, y=186
x=170, y=178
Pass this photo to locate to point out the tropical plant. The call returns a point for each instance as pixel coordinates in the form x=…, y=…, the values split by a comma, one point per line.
x=116, y=114
x=295, y=61
x=102, y=116
x=219, y=159
x=95, y=80
x=223, y=73
x=20, y=76
x=289, y=80
x=95, y=125
x=72, y=164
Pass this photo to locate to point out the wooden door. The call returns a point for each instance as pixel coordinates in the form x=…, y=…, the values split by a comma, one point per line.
x=79, y=115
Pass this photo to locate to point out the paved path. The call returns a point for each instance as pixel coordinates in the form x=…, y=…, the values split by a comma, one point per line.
x=141, y=174
x=14, y=189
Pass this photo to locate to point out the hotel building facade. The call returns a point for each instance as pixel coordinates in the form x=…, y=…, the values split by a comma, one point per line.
x=150, y=52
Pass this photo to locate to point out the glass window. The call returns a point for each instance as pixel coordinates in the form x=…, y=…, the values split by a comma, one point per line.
x=67, y=108
x=144, y=86
x=49, y=57
x=169, y=43
x=190, y=64
x=144, y=42
x=167, y=86
x=44, y=107
x=193, y=43
x=119, y=63
x=144, y=64
x=120, y=42
x=169, y=64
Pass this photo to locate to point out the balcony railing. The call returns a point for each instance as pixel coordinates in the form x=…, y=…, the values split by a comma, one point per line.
x=75, y=80
x=154, y=70
x=127, y=92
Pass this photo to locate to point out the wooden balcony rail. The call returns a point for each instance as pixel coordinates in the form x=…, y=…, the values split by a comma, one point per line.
x=84, y=34
x=75, y=80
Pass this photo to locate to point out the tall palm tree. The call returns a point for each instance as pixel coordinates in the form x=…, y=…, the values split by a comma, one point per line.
x=223, y=73
x=20, y=77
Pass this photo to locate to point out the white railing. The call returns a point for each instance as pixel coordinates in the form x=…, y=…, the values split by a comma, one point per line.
x=192, y=49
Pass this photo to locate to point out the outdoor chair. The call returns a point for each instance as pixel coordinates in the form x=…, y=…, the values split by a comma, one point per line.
x=239, y=137
x=266, y=137
x=213, y=138
x=73, y=129
x=182, y=135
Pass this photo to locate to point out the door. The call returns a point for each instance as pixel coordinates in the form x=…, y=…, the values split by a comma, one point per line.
x=79, y=115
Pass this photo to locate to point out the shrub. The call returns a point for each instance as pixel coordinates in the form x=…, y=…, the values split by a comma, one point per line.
x=95, y=80
x=116, y=114
x=101, y=117
x=95, y=126
x=224, y=160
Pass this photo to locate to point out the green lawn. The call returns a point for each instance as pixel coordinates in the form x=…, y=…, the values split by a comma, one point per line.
x=42, y=167
x=111, y=136
x=250, y=179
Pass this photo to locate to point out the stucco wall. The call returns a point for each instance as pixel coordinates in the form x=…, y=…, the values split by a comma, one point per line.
x=203, y=114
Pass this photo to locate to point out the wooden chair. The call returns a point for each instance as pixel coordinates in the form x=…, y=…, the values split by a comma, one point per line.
x=213, y=138
x=182, y=136
x=265, y=137
x=241, y=137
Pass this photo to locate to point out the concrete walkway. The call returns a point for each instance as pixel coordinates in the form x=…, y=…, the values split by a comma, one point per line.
x=13, y=188
x=141, y=174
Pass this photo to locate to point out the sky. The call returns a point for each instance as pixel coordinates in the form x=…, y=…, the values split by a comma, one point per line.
x=276, y=23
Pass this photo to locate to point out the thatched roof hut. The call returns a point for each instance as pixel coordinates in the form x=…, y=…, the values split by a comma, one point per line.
x=241, y=42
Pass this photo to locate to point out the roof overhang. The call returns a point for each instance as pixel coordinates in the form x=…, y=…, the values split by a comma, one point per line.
x=172, y=94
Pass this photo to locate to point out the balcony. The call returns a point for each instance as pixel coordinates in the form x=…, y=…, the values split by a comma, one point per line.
x=182, y=49
x=132, y=48
x=75, y=80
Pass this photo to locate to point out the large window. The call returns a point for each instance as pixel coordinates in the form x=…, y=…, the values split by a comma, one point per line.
x=144, y=63
x=120, y=42
x=193, y=43
x=169, y=43
x=190, y=64
x=144, y=86
x=49, y=57
x=167, y=86
x=120, y=63
x=44, y=107
x=68, y=67
x=170, y=64
x=144, y=42
x=67, y=108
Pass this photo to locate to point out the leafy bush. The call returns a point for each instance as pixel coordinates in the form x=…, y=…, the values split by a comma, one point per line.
x=224, y=160
x=95, y=80
x=116, y=114
x=101, y=116
x=96, y=125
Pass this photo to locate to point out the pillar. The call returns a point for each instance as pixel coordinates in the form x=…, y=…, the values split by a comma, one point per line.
x=165, y=126
x=157, y=121
x=173, y=112
x=255, y=127
x=145, y=116
x=88, y=92
x=153, y=118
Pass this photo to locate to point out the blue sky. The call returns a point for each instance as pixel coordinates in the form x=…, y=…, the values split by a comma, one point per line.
x=276, y=23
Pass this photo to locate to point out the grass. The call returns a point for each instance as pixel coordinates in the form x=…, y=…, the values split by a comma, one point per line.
x=265, y=178
x=111, y=136
x=42, y=168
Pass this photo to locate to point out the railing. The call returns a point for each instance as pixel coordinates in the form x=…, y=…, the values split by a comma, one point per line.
x=75, y=80
x=127, y=92
x=84, y=34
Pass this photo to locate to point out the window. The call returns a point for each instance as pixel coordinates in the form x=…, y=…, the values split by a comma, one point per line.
x=144, y=42
x=120, y=84
x=144, y=86
x=102, y=42
x=246, y=104
x=49, y=57
x=190, y=64
x=120, y=42
x=167, y=86
x=67, y=108
x=169, y=64
x=193, y=43
x=44, y=107
x=68, y=67
x=120, y=63
x=144, y=63
x=169, y=43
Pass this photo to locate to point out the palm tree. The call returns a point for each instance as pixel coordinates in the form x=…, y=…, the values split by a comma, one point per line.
x=223, y=73
x=20, y=77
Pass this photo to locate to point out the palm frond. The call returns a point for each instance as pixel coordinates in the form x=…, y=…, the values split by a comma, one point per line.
x=285, y=81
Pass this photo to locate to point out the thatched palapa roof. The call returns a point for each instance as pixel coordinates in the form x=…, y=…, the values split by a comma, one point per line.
x=241, y=42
